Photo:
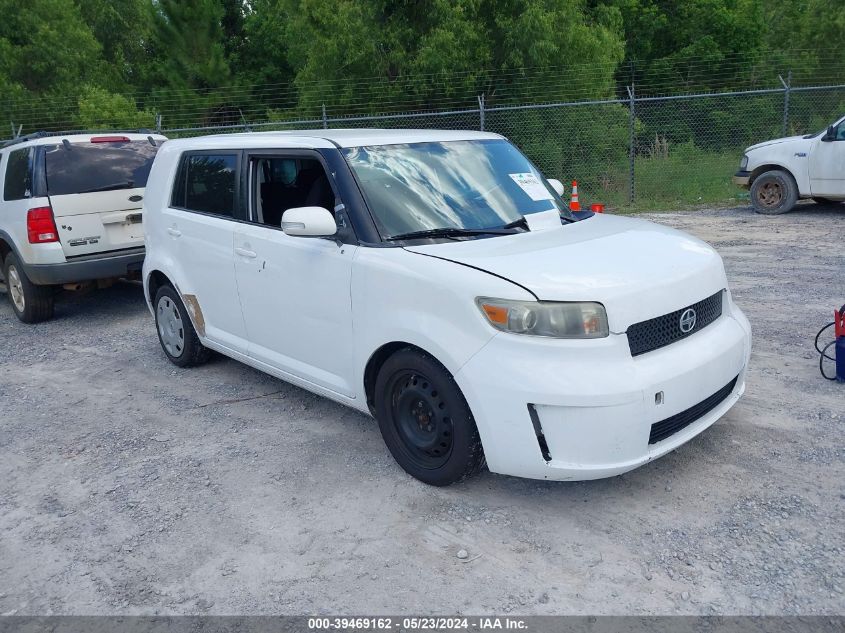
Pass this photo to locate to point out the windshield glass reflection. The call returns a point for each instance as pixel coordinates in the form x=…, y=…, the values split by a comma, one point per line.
x=456, y=184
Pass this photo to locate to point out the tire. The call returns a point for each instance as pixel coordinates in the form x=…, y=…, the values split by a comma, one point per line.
x=30, y=302
x=425, y=420
x=774, y=192
x=175, y=330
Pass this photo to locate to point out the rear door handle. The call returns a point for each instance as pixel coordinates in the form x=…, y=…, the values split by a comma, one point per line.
x=174, y=232
x=245, y=253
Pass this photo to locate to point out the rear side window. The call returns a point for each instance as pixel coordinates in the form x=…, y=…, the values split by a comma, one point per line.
x=91, y=167
x=206, y=183
x=18, y=182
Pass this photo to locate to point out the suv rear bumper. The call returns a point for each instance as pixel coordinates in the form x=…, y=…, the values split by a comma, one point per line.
x=87, y=268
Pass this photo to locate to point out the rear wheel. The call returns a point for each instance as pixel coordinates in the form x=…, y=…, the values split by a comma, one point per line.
x=774, y=192
x=31, y=303
x=425, y=420
x=176, y=333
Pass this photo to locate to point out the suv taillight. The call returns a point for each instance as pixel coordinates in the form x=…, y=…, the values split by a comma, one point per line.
x=40, y=226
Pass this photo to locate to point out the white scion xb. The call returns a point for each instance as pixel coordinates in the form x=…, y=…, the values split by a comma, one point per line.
x=436, y=280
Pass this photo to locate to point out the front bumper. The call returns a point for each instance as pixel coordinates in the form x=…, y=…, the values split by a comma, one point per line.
x=88, y=268
x=742, y=178
x=593, y=402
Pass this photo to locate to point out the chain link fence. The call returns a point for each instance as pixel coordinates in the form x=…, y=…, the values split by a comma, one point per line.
x=649, y=152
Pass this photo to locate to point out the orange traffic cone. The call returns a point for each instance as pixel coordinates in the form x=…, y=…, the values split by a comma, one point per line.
x=574, y=205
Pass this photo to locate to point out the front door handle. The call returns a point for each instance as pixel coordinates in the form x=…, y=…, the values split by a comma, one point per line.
x=174, y=231
x=245, y=253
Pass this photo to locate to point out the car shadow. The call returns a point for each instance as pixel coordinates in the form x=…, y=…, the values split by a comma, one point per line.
x=123, y=299
x=811, y=208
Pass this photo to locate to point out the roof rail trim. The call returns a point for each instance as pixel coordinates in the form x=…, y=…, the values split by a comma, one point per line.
x=24, y=139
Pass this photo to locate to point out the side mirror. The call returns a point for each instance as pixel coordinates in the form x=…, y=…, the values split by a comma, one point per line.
x=557, y=185
x=830, y=135
x=309, y=222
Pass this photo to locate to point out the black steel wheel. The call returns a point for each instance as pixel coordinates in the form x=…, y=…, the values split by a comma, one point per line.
x=425, y=420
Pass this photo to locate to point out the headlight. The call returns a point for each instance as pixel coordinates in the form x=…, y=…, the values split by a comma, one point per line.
x=544, y=318
x=743, y=163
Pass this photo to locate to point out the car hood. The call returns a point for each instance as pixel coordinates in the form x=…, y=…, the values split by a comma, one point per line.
x=637, y=269
x=776, y=141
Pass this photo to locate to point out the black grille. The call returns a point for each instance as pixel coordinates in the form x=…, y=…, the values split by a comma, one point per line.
x=663, y=429
x=647, y=336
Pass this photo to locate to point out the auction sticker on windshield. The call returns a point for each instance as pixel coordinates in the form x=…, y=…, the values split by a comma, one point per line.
x=531, y=185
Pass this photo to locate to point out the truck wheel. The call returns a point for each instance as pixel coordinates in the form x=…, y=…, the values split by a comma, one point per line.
x=425, y=420
x=31, y=303
x=774, y=192
x=176, y=333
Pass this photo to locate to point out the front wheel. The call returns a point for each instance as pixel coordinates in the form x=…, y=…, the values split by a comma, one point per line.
x=425, y=420
x=31, y=303
x=774, y=192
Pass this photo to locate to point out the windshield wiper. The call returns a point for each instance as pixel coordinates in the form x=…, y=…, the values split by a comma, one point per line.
x=126, y=184
x=519, y=222
x=450, y=232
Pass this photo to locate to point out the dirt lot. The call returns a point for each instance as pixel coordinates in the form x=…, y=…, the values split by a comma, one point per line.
x=129, y=486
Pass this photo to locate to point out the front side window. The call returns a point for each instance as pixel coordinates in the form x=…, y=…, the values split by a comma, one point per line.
x=455, y=184
x=282, y=183
x=206, y=183
x=95, y=166
x=18, y=183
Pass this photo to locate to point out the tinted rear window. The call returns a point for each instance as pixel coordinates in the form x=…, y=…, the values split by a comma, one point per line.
x=206, y=183
x=18, y=175
x=87, y=167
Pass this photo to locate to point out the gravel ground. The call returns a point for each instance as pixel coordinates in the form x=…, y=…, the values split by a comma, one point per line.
x=128, y=486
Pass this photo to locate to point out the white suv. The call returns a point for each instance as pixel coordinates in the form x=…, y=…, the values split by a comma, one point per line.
x=70, y=213
x=437, y=281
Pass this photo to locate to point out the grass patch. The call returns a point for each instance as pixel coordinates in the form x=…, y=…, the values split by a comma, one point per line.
x=675, y=178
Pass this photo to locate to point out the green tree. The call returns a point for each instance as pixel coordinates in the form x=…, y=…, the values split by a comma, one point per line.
x=685, y=45
x=47, y=48
x=100, y=109
x=46, y=53
x=124, y=29
x=189, y=35
x=359, y=52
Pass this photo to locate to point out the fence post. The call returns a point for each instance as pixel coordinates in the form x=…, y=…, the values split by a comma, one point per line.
x=632, y=140
x=325, y=118
x=158, y=123
x=481, y=112
x=12, y=123
x=787, y=86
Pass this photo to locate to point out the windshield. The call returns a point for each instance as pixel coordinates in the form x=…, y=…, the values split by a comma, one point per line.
x=89, y=167
x=455, y=184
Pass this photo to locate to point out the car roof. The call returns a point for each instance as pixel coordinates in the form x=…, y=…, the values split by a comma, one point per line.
x=330, y=138
x=53, y=139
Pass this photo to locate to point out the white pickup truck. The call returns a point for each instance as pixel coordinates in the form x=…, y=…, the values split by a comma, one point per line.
x=781, y=171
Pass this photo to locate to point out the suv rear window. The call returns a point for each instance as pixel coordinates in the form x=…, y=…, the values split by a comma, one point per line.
x=90, y=167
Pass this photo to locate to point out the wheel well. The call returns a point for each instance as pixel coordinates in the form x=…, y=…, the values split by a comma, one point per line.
x=374, y=364
x=764, y=168
x=5, y=249
x=157, y=280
